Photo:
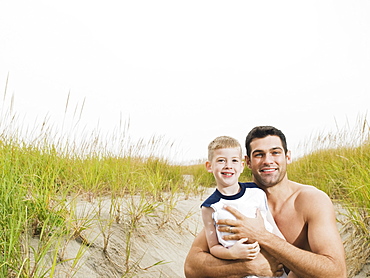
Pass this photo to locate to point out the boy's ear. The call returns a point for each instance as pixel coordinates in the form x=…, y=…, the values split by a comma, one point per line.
x=209, y=167
x=243, y=166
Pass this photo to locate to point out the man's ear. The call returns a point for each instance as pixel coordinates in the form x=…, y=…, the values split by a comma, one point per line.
x=289, y=157
x=209, y=166
x=248, y=161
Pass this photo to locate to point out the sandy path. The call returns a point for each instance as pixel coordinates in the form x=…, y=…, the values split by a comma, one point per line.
x=152, y=241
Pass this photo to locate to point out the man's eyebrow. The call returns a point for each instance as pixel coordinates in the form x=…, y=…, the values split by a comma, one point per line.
x=272, y=149
x=257, y=151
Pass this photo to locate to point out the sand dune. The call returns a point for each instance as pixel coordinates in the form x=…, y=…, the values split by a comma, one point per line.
x=158, y=247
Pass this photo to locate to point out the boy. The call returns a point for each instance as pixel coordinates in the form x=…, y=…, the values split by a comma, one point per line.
x=226, y=163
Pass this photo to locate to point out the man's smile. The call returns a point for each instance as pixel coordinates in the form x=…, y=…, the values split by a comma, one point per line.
x=268, y=170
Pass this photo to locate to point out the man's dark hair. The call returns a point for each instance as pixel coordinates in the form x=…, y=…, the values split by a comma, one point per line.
x=262, y=132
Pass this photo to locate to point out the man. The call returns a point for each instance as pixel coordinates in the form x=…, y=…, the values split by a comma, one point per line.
x=304, y=214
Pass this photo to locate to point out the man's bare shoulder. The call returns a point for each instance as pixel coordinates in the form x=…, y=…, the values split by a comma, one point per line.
x=309, y=190
x=312, y=202
x=308, y=195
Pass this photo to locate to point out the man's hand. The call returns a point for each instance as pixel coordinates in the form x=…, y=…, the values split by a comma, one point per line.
x=242, y=227
x=267, y=265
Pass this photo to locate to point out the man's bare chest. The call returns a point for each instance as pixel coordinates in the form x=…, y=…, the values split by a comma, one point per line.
x=293, y=227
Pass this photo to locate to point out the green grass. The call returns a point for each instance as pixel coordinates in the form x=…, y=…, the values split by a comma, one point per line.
x=43, y=173
x=37, y=180
x=339, y=165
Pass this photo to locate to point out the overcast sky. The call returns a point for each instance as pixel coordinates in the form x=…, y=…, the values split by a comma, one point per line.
x=188, y=70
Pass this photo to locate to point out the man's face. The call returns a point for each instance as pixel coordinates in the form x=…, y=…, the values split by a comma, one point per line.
x=268, y=161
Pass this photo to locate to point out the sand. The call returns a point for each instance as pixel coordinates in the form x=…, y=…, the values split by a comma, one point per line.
x=154, y=241
x=159, y=247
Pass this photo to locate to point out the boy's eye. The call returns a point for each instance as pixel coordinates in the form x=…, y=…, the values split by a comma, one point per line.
x=235, y=160
x=221, y=160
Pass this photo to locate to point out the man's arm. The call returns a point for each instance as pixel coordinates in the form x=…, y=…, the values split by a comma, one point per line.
x=201, y=264
x=326, y=256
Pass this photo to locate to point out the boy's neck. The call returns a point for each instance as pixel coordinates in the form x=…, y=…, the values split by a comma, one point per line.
x=230, y=190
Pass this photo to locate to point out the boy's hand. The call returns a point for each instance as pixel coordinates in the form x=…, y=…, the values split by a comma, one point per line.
x=242, y=250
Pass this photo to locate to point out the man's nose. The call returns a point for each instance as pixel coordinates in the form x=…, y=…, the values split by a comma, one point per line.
x=268, y=159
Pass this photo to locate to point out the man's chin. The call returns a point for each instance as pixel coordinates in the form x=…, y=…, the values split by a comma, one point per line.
x=266, y=182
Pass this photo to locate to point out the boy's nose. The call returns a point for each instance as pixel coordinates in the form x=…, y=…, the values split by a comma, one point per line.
x=228, y=165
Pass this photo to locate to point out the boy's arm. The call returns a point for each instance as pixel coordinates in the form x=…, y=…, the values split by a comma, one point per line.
x=240, y=250
x=201, y=264
x=210, y=229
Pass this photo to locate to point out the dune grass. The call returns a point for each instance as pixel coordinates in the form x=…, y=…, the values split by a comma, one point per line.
x=338, y=164
x=43, y=172
x=41, y=179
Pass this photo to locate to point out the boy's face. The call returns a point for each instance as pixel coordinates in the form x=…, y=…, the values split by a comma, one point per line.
x=226, y=166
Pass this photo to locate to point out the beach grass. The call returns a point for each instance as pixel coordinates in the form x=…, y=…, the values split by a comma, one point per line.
x=338, y=163
x=44, y=173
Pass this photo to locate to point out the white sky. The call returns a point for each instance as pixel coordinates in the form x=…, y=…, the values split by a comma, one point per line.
x=188, y=70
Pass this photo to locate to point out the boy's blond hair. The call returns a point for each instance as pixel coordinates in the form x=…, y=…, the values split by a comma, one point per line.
x=223, y=142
